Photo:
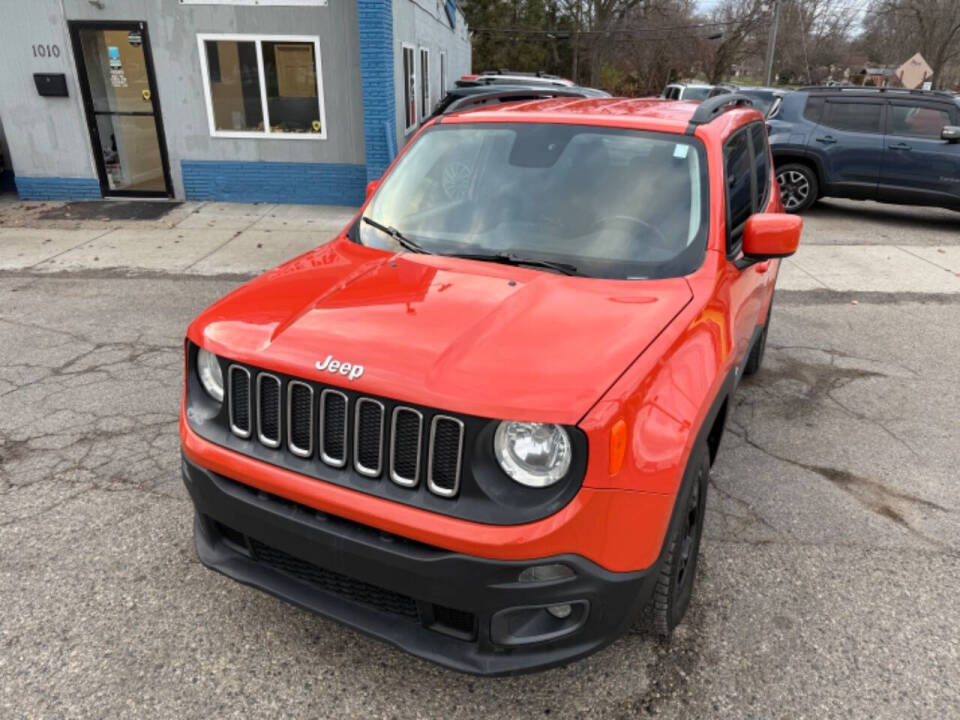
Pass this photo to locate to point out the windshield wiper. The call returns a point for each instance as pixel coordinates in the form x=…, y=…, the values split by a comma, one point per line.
x=513, y=259
x=398, y=237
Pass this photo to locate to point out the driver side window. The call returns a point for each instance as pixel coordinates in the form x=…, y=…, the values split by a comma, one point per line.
x=739, y=186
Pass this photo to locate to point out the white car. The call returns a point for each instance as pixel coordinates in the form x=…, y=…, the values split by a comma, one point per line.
x=686, y=91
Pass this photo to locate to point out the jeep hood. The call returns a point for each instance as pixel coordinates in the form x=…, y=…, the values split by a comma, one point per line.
x=467, y=336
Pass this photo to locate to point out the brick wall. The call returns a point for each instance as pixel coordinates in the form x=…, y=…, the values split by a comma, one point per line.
x=375, y=27
x=57, y=188
x=274, y=182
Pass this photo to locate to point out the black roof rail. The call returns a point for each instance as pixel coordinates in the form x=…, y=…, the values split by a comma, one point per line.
x=515, y=95
x=520, y=73
x=712, y=108
x=873, y=89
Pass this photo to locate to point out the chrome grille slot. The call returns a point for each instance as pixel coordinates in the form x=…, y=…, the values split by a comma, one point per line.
x=368, y=437
x=333, y=428
x=406, y=435
x=446, y=455
x=300, y=418
x=239, y=401
x=268, y=409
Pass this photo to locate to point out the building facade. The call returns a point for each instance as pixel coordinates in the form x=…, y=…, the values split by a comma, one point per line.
x=245, y=100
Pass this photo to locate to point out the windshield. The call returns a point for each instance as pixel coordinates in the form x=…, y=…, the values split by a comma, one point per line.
x=605, y=202
x=697, y=92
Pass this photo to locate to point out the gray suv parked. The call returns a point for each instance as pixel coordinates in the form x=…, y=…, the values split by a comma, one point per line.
x=891, y=145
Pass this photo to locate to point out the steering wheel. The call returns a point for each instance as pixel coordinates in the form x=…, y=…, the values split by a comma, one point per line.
x=658, y=237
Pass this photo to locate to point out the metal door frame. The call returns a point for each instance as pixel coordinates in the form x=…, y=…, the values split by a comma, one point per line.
x=84, y=81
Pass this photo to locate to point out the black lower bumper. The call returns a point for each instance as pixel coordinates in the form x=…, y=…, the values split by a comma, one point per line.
x=467, y=613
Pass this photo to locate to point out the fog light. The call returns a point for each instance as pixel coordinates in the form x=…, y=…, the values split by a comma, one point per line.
x=545, y=573
x=560, y=611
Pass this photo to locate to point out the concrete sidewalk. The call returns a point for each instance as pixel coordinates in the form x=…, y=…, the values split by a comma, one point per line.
x=847, y=247
x=199, y=238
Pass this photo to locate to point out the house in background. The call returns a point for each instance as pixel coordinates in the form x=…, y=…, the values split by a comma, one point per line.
x=245, y=100
x=876, y=77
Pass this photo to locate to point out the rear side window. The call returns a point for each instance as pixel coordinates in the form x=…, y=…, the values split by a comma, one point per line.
x=739, y=179
x=814, y=109
x=854, y=116
x=761, y=163
x=917, y=120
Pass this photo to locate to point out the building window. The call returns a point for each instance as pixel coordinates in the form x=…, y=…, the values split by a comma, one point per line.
x=263, y=86
x=443, y=74
x=409, y=89
x=424, y=83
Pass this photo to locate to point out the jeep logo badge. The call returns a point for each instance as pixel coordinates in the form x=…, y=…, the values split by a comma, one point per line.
x=349, y=370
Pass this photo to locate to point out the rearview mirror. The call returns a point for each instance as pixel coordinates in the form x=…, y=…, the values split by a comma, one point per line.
x=372, y=187
x=770, y=235
x=951, y=133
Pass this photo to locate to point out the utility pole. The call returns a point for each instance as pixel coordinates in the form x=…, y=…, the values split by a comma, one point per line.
x=772, y=45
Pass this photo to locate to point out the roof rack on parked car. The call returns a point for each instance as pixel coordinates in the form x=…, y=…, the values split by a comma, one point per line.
x=869, y=89
x=505, y=71
x=532, y=93
x=711, y=108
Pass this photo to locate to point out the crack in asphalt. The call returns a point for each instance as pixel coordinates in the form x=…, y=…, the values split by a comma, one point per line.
x=97, y=415
x=871, y=494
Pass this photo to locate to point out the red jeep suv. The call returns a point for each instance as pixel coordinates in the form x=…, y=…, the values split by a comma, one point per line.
x=478, y=424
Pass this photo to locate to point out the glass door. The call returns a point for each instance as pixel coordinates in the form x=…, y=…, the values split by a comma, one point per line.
x=123, y=114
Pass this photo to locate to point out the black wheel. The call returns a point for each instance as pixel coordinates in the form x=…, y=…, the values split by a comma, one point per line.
x=798, y=187
x=671, y=597
x=756, y=354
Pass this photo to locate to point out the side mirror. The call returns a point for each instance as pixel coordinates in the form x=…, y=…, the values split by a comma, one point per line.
x=770, y=235
x=951, y=133
x=372, y=187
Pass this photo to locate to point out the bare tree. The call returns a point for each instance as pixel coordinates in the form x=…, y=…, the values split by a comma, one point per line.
x=931, y=27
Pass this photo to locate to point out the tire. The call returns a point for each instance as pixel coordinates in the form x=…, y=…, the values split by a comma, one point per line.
x=756, y=354
x=799, y=188
x=678, y=568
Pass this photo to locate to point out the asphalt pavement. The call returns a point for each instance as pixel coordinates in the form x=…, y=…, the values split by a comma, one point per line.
x=830, y=573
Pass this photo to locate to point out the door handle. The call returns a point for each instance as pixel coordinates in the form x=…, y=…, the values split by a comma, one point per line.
x=827, y=139
x=899, y=146
x=146, y=95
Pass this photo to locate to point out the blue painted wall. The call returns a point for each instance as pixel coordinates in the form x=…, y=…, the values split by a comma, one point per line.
x=57, y=188
x=274, y=182
x=375, y=27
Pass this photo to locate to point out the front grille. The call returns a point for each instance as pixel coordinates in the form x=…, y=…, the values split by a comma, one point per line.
x=333, y=582
x=329, y=426
x=300, y=418
x=239, y=401
x=333, y=428
x=406, y=432
x=368, y=440
x=446, y=448
x=268, y=409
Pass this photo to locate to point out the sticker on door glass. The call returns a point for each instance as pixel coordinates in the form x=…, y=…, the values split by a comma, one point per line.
x=113, y=52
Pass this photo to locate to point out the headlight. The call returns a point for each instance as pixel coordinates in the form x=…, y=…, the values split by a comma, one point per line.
x=211, y=377
x=533, y=454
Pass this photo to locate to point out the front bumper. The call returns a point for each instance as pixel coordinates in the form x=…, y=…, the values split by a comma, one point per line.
x=444, y=606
